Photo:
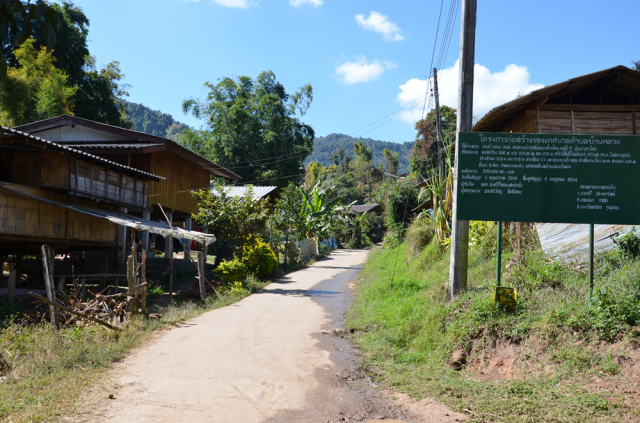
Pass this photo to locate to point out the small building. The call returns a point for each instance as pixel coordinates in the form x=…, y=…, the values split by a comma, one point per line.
x=602, y=103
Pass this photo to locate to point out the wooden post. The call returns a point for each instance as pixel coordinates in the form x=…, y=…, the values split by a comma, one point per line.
x=187, y=242
x=48, y=280
x=201, y=261
x=83, y=289
x=169, y=242
x=460, y=228
x=170, y=267
x=133, y=283
x=143, y=279
x=122, y=240
x=145, y=235
x=12, y=283
x=130, y=279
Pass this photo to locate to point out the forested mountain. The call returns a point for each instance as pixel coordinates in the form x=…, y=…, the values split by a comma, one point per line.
x=153, y=122
x=323, y=147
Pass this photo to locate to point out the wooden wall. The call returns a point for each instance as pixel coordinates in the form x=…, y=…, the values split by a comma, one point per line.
x=579, y=122
x=36, y=221
x=585, y=122
x=59, y=171
x=182, y=177
x=524, y=123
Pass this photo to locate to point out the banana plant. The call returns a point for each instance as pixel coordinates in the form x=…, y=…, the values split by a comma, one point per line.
x=319, y=212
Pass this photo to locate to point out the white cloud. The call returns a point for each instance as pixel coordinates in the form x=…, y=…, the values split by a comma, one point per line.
x=298, y=3
x=490, y=89
x=380, y=23
x=361, y=70
x=242, y=4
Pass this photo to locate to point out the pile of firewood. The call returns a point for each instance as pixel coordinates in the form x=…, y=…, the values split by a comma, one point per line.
x=72, y=311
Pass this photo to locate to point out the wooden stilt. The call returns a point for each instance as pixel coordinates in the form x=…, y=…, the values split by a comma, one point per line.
x=47, y=268
x=201, y=261
x=12, y=283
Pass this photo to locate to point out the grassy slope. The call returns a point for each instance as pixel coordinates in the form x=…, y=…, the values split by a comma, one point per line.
x=411, y=334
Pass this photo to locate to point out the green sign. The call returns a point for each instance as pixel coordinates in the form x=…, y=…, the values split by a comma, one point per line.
x=549, y=178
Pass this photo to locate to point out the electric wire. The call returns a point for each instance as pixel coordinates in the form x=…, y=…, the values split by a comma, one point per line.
x=423, y=109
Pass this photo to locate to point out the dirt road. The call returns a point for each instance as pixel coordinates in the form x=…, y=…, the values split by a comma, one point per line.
x=266, y=358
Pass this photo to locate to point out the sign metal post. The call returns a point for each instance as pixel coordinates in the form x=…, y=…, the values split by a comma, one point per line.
x=499, y=255
x=590, y=261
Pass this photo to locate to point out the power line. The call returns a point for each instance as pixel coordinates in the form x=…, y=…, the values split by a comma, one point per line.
x=382, y=118
x=263, y=164
x=260, y=160
x=435, y=43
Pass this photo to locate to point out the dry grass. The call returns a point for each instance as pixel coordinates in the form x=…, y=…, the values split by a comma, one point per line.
x=48, y=372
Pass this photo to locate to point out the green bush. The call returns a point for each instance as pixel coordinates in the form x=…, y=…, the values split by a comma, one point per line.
x=231, y=271
x=400, y=202
x=483, y=237
x=419, y=235
x=628, y=245
x=260, y=259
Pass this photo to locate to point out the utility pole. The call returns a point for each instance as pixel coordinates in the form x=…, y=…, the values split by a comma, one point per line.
x=460, y=233
x=438, y=128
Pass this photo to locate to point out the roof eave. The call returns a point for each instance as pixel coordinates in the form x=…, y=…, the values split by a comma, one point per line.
x=549, y=91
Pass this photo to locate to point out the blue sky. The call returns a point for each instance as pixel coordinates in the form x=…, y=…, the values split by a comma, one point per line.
x=365, y=59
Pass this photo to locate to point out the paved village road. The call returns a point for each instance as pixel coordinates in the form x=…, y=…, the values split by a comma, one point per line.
x=263, y=359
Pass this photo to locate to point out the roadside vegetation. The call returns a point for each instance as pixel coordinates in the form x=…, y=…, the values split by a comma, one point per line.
x=554, y=358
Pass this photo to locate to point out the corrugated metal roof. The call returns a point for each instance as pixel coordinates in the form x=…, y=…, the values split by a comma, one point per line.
x=123, y=219
x=115, y=145
x=89, y=157
x=241, y=191
x=570, y=242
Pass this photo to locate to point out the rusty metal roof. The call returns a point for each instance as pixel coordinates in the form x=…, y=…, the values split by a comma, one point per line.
x=113, y=145
x=85, y=156
x=570, y=242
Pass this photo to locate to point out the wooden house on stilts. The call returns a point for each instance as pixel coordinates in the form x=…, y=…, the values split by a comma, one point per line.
x=84, y=188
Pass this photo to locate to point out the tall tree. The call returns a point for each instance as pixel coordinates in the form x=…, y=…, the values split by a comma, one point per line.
x=254, y=127
x=98, y=89
x=341, y=159
x=35, y=89
x=16, y=21
x=424, y=156
x=363, y=168
x=392, y=161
